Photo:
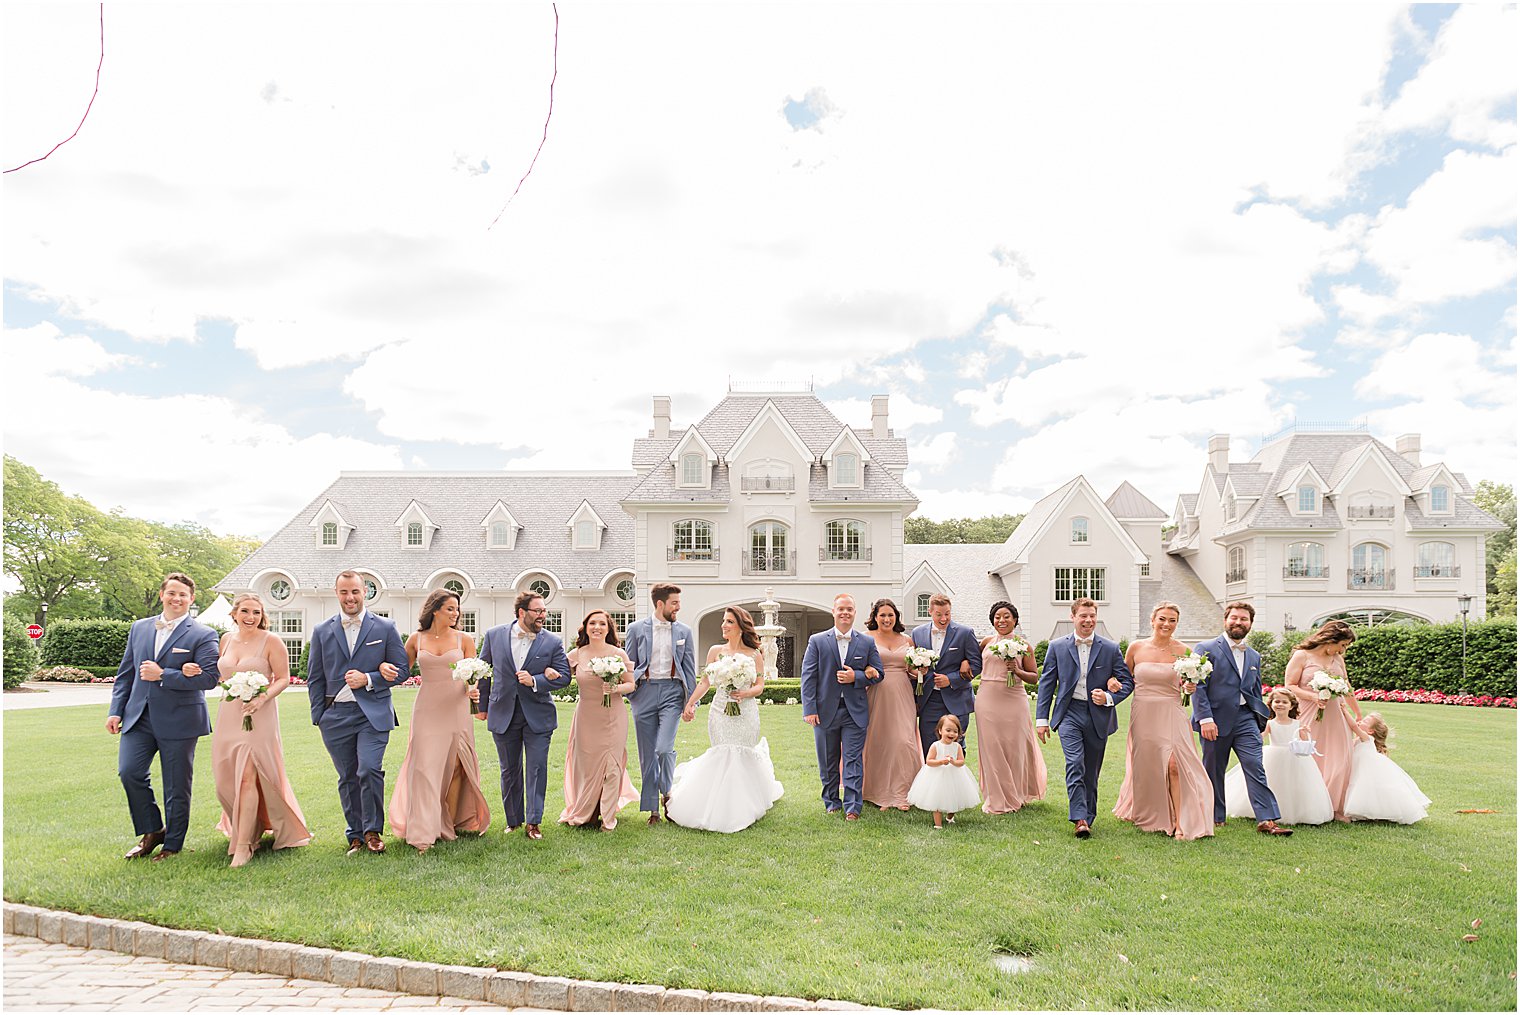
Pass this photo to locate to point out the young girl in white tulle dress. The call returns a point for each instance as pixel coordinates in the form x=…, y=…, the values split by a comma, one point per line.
x=1380, y=790
x=1287, y=756
x=945, y=785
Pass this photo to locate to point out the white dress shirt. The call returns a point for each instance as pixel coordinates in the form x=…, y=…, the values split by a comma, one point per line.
x=662, y=652
x=937, y=638
x=351, y=627
x=162, y=634
x=522, y=644
x=1239, y=649
x=1084, y=654
x=842, y=642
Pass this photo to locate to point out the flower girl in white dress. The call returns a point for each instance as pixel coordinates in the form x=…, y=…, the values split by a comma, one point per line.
x=945, y=785
x=1287, y=756
x=1380, y=790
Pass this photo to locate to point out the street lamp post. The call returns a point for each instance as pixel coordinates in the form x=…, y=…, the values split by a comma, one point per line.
x=1464, y=603
x=44, y=616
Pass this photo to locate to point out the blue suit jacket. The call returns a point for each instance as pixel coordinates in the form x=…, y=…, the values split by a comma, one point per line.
x=960, y=644
x=327, y=659
x=504, y=696
x=637, y=645
x=177, y=703
x=1219, y=696
x=821, y=689
x=1062, y=670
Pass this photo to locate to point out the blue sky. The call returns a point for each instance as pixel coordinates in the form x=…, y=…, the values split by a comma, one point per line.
x=1061, y=243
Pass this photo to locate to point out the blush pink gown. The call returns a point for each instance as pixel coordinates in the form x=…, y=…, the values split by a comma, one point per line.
x=596, y=761
x=271, y=805
x=438, y=791
x=1007, y=754
x=1165, y=786
x=1334, y=740
x=893, y=754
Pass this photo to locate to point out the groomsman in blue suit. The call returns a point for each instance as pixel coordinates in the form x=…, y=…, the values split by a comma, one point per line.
x=529, y=664
x=664, y=657
x=352, y=662
x=836, y=669
x=946, y=689
x=1228, y=714
x=1073, y=697
x=157, y=709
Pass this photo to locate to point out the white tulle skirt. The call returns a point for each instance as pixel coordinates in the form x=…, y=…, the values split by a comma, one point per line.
x=1380, y=790
x=1295, y=781
x=946, y=788
x=728, y=788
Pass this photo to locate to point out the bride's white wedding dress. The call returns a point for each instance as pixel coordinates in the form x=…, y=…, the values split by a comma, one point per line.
x=733, y=783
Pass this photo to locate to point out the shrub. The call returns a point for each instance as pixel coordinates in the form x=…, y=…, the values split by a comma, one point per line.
x=1039, y=653
x=1261, y=641
x=85, y=643
x=65, y=675
x=20, y=654
x=1426, y=657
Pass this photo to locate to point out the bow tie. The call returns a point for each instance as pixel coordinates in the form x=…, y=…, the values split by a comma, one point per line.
x=164, y=625
x=662, y=623
x=353, y=621
x=1238, y=646
x=1085, y=642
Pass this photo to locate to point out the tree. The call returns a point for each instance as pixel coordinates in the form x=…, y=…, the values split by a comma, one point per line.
x=991, y=529
x=54, y=542
x=1501, y=597
x=1498, y=499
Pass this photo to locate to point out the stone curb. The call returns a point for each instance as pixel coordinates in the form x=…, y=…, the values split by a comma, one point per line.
x=354, y=969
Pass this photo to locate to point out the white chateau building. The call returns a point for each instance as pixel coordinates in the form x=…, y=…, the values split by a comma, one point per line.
x=771, y=490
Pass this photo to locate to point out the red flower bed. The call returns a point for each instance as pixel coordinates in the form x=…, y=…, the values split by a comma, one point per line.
x=1421, y=696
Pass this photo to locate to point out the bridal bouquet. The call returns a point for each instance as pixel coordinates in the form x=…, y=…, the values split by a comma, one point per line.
x=920, y=659
x=611, y=670
x=472, y=672
x=1326, y=686
x=245, y=686
x=731, y=673
x=1192, y=669
x=1010, y=649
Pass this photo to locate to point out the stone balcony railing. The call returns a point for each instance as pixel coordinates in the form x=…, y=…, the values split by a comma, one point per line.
x=1365, y=578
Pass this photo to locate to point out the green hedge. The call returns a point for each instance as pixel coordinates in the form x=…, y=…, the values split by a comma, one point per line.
x=1395, y=657
x=85, y=643
x=20, y=654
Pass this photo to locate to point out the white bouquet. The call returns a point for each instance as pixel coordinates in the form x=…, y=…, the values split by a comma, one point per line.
x=471, y=672
x=1010, y=649
x=728, y=674
x=244, y=686
x=1192, y=669
x=1327, y=686
x=611, y=670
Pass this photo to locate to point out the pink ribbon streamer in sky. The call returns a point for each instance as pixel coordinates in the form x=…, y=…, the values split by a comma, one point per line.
x=541, y=140
x=101, y=64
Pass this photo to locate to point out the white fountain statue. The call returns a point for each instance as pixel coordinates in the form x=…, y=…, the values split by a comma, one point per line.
x=769, y=631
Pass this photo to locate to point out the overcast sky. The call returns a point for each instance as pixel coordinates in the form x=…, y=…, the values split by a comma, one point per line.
x=1063, y=238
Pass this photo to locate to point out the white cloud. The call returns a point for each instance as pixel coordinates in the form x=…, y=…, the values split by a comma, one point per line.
x=934, y=454
x=43, y=349
x=1467, y=82
x=1437, y=366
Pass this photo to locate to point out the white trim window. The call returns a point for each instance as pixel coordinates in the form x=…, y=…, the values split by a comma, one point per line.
x=625, y=590
x=622, y=620
x=1073, y=583
x=290, y=626
x=541, y=588
x=1079, y=531
x=501, y=534
x=585, y=534
x=692, y=468
x=455, y=586
x=1305, y=560
x=1308, y=500
x=692, y=539
x=554, y=621
x=844, y=539
x=413, y=533
x=280, y=590
x=1440, y=500
x=467, y=621
x=846, y=470
x=329, y=533
x=1436, y=559
x=1235, y=564
x=922, y=605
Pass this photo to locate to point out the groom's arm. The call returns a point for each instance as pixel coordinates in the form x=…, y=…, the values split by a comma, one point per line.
x=1203, y=709
x=688, y=662
x=204, y=654
x=810, y=682
x=873, y=659
x=316, y=679
x=560, y=664
x=484, y=684
x=1126, y=681
x=1049, y=678
x=395, y=654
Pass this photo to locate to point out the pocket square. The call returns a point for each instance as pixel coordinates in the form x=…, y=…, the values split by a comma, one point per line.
x=680, y=643
x=377, y=641
x=173, y=650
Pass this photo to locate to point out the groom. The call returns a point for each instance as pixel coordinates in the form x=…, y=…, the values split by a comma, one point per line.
x=1073, y=697
x=664, y=657
x=836, y=668
x=1228, y=713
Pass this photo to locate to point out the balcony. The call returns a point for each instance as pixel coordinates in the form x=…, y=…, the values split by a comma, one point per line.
x=700, y=553
x=759, y=562
x=844, y=553
x=772, y=484
x=1306, y=571
x=1238, y=575
x=1358, y=513
x=1438, y=571
x=1361, y=578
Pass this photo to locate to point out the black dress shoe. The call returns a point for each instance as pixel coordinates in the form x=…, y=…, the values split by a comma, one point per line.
x=148, y=844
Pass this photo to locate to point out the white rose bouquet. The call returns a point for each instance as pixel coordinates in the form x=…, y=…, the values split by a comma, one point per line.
x=611, y=670
x=244, y=686
x=1327, y=686
x=1194, y=669
x=731, y=673
x=1010, y=649
x=471, y=672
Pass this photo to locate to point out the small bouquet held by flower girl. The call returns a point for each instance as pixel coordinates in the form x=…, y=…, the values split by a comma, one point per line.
x=244, y=686
x=611, y=670
x=471, y=672
x=1010, y=649
x=1193, y=669
x=1326, y=686
x=731, y=673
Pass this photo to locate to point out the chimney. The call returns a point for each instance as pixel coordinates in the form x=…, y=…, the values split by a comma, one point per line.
x=1408, y=447
x=661, y=417
x=879, y=416
x=1219, y=453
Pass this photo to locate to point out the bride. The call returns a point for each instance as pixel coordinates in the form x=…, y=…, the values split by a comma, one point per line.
x=732, y=784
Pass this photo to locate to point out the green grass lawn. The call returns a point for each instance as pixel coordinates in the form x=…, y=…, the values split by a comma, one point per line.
x=883, y=912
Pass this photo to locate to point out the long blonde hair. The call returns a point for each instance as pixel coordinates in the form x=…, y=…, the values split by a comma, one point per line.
x=242, y=597
x=1378, y=730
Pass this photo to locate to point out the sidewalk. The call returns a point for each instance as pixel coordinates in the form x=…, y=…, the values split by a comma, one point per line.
x=56, y=694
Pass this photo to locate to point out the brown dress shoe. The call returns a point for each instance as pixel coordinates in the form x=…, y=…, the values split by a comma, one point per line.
x=373, y=842
x=355, y=846
x=1273, y=828
x=533, y=832
x=512, y=828
x=852, y=817
x=654, y=819
x=164, y=854
x=1083, y=830
x=149, y=843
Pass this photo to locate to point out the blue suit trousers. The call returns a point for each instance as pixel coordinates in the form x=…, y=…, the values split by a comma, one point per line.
x=358, y=753
x=176, y=759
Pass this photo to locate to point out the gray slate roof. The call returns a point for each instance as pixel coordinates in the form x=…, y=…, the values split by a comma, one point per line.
x=1179, y=584
x=963, y=566
x=1127, y=502
x=541, y=502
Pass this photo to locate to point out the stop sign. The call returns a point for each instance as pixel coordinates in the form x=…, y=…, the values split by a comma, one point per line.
x=34, y=631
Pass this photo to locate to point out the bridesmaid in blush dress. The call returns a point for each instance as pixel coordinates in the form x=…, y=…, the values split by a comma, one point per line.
x=893, y=755
x=438, y=791
x=596, y=762
x=1007, y=755
x=249, y=765
x=1333, y=735
x=1165, y=786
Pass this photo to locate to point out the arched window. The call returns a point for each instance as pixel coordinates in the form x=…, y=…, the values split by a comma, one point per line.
x=541, y=588
x=768, y=552
x=501, y=534
x=414, y=534
x=1436, y=560
x=923, y=605
x=329, y=533
x=1369, y=567
x=1308, y=500
x=371, y=590
x=844, y=539
x=1079, y=530
x=625, y=590
x=846, y=470
x=1305, y=560
x=692, y=540
x=1440, y=499
x=279, y=590
x=691, y=470
x=455, y=586
x=1235, y=568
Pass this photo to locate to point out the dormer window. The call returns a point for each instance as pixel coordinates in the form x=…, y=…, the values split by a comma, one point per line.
x=1440, y=499
x=846, y=470
x=416, y=527
x=501, y=534
x=414, y=534
x=329, y=533
x=585, y=535
x=1079, y=530
x=1308, y=500
x=1229, y=507
x=500, y=528
x=691, y=470
x=586, y=527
